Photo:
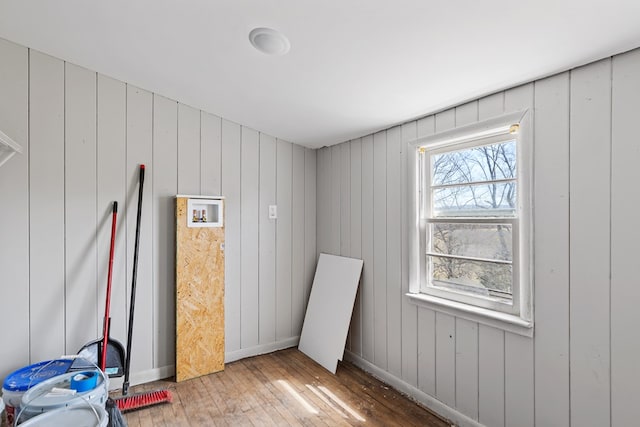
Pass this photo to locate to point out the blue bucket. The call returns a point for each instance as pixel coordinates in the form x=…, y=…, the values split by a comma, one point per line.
x=18, y=382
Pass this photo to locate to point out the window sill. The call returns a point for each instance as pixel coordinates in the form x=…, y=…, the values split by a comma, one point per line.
x=504, y=321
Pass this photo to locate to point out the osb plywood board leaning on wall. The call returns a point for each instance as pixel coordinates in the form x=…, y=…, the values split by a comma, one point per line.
x=199, y=297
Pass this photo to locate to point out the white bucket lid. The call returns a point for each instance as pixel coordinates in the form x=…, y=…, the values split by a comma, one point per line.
x=77, y=416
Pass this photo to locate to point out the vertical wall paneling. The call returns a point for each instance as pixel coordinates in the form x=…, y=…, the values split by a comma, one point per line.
x=89, y=134
x=139, y=151
x=590, y=244
x=297, y=241
x=519, y=375
x=84, y=135
x=466, y=331
x=445, y=120
x=310, y=221
x=283, y=239
x=426, y=126
x=426, y=317
x=491, y=376
x=466, y=113
x=380, y=248
x=231, y=140
x=518, y=367
x=335, y=199
x=211, y=151
x=80, y=207
x=46, y=178
x=355, y=228
x=445, y=324
x=427, y=350
x=355, y=202
x=345, y=199
x=551, y=247
x=165, y=188
x=112, y=186
x=445, y=344
x=249, y=193
x=467, y=367
x=394, y=252
x=267, y=241
x=14, y=215
x=578, y=368
x=323, y=195
x=188, y=150
x=345, y=209
x=491, y=341
x=624, y=202
x=409, y=319
x=366, y=291
x=491, y=106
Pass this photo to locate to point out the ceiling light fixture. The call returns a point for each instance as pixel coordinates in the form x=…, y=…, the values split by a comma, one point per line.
x=269, y=41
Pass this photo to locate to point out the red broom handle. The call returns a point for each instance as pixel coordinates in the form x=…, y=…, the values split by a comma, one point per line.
x=105, y=326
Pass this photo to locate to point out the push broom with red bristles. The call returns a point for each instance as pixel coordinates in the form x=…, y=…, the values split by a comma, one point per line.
x=139, y=400
x=143, y=400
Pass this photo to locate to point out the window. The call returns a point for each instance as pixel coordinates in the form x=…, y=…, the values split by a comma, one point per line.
x=472, y=209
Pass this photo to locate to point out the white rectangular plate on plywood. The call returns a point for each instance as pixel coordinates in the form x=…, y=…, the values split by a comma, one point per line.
x=326, y=323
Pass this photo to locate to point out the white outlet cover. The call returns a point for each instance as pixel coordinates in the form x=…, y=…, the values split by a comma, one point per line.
x=273, y=211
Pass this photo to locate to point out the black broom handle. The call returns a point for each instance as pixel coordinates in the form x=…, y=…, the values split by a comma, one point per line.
x=127, y=364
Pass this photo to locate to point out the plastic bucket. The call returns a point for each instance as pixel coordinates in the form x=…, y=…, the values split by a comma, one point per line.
x=18, y=382
x=78, y=416
x=43, y=398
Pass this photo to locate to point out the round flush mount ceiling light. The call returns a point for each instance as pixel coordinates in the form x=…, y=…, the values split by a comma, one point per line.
x=269, y=41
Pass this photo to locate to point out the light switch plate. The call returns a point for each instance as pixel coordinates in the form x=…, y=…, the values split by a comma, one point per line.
x=273, y=211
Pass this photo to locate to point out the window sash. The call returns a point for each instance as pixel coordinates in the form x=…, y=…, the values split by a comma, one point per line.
x=465, y=184
x=469, y=258
x=491, y=303
x=426, y=215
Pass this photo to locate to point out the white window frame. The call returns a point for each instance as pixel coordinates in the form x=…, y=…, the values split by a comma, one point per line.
x=518, y=316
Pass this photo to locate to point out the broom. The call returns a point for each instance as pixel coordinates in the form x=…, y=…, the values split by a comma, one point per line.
x=139, y=400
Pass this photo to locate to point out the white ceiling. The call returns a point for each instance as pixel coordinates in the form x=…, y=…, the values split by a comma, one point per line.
x=355, y=66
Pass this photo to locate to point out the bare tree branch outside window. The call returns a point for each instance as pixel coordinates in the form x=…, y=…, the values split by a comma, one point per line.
x=475, y=182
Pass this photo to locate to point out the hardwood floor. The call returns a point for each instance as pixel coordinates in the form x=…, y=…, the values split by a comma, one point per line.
x=284, y=388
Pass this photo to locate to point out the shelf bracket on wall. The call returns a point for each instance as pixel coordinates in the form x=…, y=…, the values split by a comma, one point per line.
x=8, y=147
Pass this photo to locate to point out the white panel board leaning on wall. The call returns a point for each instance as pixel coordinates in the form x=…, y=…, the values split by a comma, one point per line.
x=326, y=323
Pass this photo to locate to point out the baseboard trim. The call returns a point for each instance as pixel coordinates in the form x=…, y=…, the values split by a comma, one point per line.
x=257, y=350
x=170, y=370
x=144, y=377
x=430, y=402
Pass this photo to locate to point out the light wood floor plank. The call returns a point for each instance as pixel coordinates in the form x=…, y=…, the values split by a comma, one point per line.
x=284, y=388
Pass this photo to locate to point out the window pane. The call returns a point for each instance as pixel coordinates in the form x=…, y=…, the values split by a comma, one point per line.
x=473, y=277
x=491, y=241
x=484, y=163
x=496, y=199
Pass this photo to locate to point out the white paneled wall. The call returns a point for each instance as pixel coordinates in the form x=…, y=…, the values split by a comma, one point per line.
x=284, y=155
x=165, y=186
x=47, y=226
x=15, y=291
x=625, y=197
x=84, y=135
x=581, y=367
